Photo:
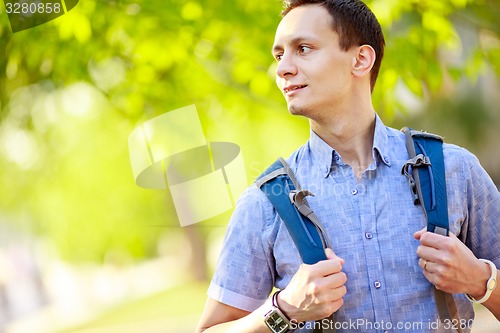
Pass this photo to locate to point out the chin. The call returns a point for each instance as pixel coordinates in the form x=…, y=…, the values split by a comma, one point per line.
x=296, y=110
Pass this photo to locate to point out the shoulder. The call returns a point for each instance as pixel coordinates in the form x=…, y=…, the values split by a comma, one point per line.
x=461, y=162
x=253, y=202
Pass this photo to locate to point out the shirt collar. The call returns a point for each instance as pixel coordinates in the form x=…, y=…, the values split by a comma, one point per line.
x=325, y=156
x=381, y=142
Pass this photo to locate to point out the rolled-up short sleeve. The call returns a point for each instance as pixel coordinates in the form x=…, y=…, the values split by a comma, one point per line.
x=244, y=275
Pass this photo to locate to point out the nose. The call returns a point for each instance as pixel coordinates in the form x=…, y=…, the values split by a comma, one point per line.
x=286, y=66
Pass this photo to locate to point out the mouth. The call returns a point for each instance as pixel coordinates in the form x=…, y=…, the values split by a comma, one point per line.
x=293, y=88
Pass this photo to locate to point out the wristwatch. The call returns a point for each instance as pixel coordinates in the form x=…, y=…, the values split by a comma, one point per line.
x=490, y=285
x=275, y=319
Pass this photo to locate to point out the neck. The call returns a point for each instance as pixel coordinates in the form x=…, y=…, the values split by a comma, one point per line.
x=350, y=133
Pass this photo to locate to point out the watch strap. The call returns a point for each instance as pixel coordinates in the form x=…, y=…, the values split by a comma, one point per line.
x=276, y=310
x=274, y=302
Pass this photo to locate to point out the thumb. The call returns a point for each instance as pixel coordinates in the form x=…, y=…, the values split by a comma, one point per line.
x=331, y=255
x=419, y=233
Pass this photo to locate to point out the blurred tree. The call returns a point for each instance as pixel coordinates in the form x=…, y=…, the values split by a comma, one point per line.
x=73, y=89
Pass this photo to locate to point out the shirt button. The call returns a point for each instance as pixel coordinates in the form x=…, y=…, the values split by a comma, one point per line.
x=369, y=235
x=354, y=192
x=377, y=284
x=337, y=157
x=386, y=159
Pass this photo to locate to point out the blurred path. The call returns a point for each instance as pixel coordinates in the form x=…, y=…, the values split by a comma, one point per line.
x=184, y=324
x=485, y=322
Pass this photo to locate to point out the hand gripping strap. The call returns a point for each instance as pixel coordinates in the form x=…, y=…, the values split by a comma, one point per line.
x=428, y=183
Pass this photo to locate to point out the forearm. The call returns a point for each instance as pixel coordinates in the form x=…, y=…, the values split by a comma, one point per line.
x=493, y=303
x=251, y=323
x=315, y=292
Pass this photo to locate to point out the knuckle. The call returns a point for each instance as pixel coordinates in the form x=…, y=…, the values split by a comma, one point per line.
x=304, y=267
x=445, y=261
x=305, y=271
x=450, y=246
x=336, y=265
x=314, y=288
x=424, y=238
x=454, y=247
x=447, y=245
x=335, y=306
x=342, y=291
x=439, y=271
x=342, y=278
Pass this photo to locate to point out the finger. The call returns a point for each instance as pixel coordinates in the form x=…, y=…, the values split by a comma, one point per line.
x=434, y=240
x=327, y=267
x=453, y=236
x=329, y=309
x=425, y=264
x=428, y=253
x=338, y=293
x=421, y=263
x=419, y=233
x=331, y=255
x=334, y=280
x=332, y=295
x=336, y=305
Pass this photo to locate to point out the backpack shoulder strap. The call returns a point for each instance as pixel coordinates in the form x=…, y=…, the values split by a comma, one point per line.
x=427, y=178
x=428, y=184
x=281, y=187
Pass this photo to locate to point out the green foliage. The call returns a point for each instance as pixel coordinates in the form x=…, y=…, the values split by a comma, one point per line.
x=73, y=89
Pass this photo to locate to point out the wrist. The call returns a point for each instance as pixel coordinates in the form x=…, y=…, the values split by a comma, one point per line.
x=486, y=284
x=276, y=319
x=478, y=288
x=289, y=310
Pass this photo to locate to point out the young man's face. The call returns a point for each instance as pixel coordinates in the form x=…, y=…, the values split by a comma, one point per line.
x=313, y=73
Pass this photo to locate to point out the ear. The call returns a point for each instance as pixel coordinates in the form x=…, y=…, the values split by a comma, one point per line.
x=363, y=63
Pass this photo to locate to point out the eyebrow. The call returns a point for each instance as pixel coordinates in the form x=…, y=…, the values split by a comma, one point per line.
x=295, y=41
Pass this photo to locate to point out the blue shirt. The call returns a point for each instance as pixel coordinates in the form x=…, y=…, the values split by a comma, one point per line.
x=370, y=225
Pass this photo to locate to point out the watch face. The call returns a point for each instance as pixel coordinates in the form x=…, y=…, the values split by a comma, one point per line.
x=276, y=322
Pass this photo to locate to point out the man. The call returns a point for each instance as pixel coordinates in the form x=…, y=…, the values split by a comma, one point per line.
x=383, y=267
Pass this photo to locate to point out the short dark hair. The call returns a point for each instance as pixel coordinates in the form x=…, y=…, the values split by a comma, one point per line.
x=355, y=24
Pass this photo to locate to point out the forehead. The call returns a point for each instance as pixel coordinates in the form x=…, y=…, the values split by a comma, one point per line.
x=309, y=21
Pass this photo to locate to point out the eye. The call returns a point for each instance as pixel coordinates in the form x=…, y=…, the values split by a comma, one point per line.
x=304, y=49
x=278, y=56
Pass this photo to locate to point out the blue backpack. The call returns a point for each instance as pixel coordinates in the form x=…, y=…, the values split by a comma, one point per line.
x=426, y=174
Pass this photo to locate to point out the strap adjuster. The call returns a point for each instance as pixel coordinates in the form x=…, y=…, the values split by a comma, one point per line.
x=416, y=162
x=297, y=198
